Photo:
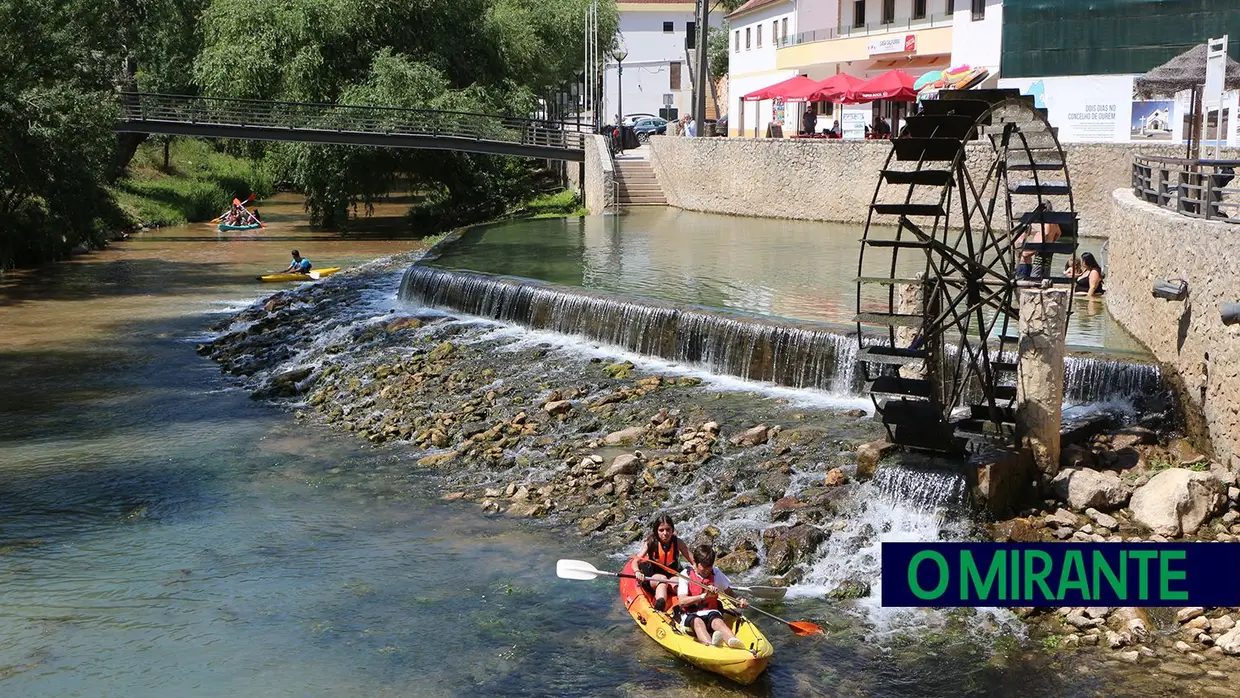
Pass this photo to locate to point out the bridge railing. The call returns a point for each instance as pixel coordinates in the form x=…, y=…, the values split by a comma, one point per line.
x=1197, y=188
x=310, y=116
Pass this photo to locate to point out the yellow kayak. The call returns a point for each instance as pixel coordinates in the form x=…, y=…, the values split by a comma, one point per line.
x=314, y=275
x=740, y=665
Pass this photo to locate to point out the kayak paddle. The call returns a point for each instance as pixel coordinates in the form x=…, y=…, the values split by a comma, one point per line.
x=581, y=570
x=800, y=627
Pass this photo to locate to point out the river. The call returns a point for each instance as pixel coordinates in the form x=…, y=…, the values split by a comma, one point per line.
x=163, y=534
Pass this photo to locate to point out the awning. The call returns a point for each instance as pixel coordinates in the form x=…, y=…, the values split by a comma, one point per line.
x=829, y=90
x=894, y=85
x=779, y=89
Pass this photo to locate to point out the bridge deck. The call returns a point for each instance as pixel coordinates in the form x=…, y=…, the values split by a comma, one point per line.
x=214, y=117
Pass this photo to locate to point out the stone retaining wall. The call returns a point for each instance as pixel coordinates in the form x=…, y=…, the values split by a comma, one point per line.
x=835, y=180
x=1149, y=243
x=599, y=188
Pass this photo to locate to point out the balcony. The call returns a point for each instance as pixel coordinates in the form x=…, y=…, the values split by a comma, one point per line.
x=942, y=19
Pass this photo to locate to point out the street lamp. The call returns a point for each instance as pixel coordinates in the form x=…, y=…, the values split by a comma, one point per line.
x=619, y=52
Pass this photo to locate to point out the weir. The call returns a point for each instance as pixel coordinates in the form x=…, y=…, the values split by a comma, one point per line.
x=797, y=354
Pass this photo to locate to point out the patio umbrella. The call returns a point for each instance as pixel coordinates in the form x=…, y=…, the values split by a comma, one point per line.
x=1186, y=71
x=828, y=90
x=894, y=85
x=778, y=89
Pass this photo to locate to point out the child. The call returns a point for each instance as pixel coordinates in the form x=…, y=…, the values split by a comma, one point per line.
x=664, y=547
x=699, y=597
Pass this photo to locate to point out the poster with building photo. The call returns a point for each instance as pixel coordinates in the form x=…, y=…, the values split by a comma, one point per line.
x=1152, y=120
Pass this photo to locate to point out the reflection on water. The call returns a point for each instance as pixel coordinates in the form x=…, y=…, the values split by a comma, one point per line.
x=793, y=269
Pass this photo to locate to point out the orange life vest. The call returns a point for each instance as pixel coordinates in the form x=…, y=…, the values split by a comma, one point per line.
x=697, y=585
x=669, y=556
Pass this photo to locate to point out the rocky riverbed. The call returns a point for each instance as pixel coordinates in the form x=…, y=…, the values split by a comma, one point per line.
x=781, y=482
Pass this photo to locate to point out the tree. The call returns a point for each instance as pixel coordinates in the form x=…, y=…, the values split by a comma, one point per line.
x=717, y=50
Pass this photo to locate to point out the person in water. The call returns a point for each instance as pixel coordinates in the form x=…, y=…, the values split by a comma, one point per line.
x=300, y=265
x=1090, y=278
x=1036, y=233
x=257, y=218
x=698, y=596
x=664, y=547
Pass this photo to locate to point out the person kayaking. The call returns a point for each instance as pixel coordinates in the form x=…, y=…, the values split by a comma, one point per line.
x=300, y=265
x=664, y=547
x=699, y=600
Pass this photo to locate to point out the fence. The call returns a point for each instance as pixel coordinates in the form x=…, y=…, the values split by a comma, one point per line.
x=1197, y=188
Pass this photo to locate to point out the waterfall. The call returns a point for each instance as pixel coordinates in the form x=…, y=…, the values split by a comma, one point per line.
x=787, y=353
x=1089, y=379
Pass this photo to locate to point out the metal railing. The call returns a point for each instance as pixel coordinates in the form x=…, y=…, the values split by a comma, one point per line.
x=1197, y=188
x=845, y=31
x=149, y=110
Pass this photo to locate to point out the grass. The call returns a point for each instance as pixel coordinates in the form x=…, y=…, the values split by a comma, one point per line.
x=200, y=182
x=1158, y=465
x=554, y=205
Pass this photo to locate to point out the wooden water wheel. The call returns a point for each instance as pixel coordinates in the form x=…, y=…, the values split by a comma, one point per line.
x=974, y=184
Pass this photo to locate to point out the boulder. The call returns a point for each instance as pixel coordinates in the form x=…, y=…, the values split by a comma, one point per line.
x=785, y=507
x=1132, y=436
x=624, y=436
x=751, y=437
x=1075, y=455
x=869, y=455
x=1229, y=641
x=558, y=407
x=835, y=477
x=1083, y=488
x=774, y=484
x=785, y=546
x=623, y=464
x=402, y=323
x=850, y=589
x=1177, y=501
x=737, y=562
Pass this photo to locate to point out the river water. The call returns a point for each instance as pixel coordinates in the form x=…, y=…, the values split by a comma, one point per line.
x=163, y=534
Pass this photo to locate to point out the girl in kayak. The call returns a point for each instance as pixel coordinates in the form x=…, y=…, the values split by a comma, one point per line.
x=699, y=599
x=664, y=547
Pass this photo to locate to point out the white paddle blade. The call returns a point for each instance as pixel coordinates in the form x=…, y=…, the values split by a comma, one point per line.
x=575, y=569
x=315, y=275
x=771, y=593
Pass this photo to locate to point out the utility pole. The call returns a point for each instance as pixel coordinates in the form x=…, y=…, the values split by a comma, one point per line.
x=703, y=73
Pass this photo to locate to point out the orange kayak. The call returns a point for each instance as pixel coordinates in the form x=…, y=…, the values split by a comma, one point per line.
x=740, y=665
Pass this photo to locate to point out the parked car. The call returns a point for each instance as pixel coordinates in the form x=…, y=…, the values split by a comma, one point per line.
x=650, y=126
x=632, y=119
x=721, y=126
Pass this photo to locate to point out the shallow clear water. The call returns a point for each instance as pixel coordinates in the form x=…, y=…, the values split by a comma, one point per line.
x=792, y=269
x=162, y=534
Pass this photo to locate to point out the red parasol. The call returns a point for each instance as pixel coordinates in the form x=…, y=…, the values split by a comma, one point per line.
x=830, y=90
x=894, y=85
x=777, y=90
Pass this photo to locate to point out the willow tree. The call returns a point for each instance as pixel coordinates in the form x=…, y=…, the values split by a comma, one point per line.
x=489, y=56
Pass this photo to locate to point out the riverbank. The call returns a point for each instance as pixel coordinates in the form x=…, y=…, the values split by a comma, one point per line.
x=785, y=483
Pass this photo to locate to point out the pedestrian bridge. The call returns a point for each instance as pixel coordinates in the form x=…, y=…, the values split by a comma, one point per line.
x=383, y=127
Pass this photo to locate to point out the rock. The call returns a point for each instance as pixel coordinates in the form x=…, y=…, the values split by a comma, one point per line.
x=835, y=477
x=774, y=484
x=437, y=459
x=785, y=546
x=1062, y=518
x=526, y=509
x=1080, y=621
x=624, y=436
x=623, y=464
x=402, y=323
x=1222, y=624
x=453, y=496
x=1199, y=623
x=1177, y=501
x=1132, y=436
x=558, y=407
x=751, y=437
x=786, y=507
x=850, y=589
x=1104, y=520
x=441, y=351
x=1116, y=640
x=1130, y=657
x=1083, y=488
x=1233, y=493
x=869, y=455
x=1186, y=614
x=1229, y=642
x=1074, y=455
x=737, y=562
x=1179, y=669
x=1015, y=531
x=1182, y=646
x=619, y=371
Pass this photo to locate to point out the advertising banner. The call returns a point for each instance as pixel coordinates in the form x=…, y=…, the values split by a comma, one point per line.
x=854, y=119
x=1085, y=108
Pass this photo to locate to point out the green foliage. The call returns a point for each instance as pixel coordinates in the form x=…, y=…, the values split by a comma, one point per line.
x=201, y=183
x=554, y=205
x=717, y=51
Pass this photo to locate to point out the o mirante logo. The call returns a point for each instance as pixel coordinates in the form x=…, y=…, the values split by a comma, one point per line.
x=1060, y=574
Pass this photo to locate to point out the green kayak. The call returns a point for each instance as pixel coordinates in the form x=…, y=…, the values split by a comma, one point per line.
x=224, y=226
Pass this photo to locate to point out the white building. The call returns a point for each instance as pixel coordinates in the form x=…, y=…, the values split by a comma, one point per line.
x=658, y=38
x=756, y=29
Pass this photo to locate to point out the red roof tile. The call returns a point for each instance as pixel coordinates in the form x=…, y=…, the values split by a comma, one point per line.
x=751, y=5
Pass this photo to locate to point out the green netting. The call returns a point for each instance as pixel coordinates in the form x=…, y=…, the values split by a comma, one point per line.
x=1100, y=37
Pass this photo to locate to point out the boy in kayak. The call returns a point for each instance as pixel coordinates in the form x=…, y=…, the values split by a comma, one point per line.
x=699, y=599
x=299, y=265
x=664, y=547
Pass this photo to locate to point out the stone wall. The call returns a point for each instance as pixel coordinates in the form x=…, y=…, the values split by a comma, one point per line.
x=599, y=188
x=1149, y=243
x=835, y=180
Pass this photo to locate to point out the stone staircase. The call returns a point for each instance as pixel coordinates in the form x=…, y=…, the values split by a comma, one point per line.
x=636, y=183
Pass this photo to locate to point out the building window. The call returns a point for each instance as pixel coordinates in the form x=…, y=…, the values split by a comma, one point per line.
x=669, y=27
x=674, y=69
x=748, y=35
x=759, y=42
x=919, y=9
x=784, y=31
x=775, y=33
x=737, y=43
x=859, y=14
x=889, y=11
x=951, y=7
x=979, y=10
x=690, y=34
